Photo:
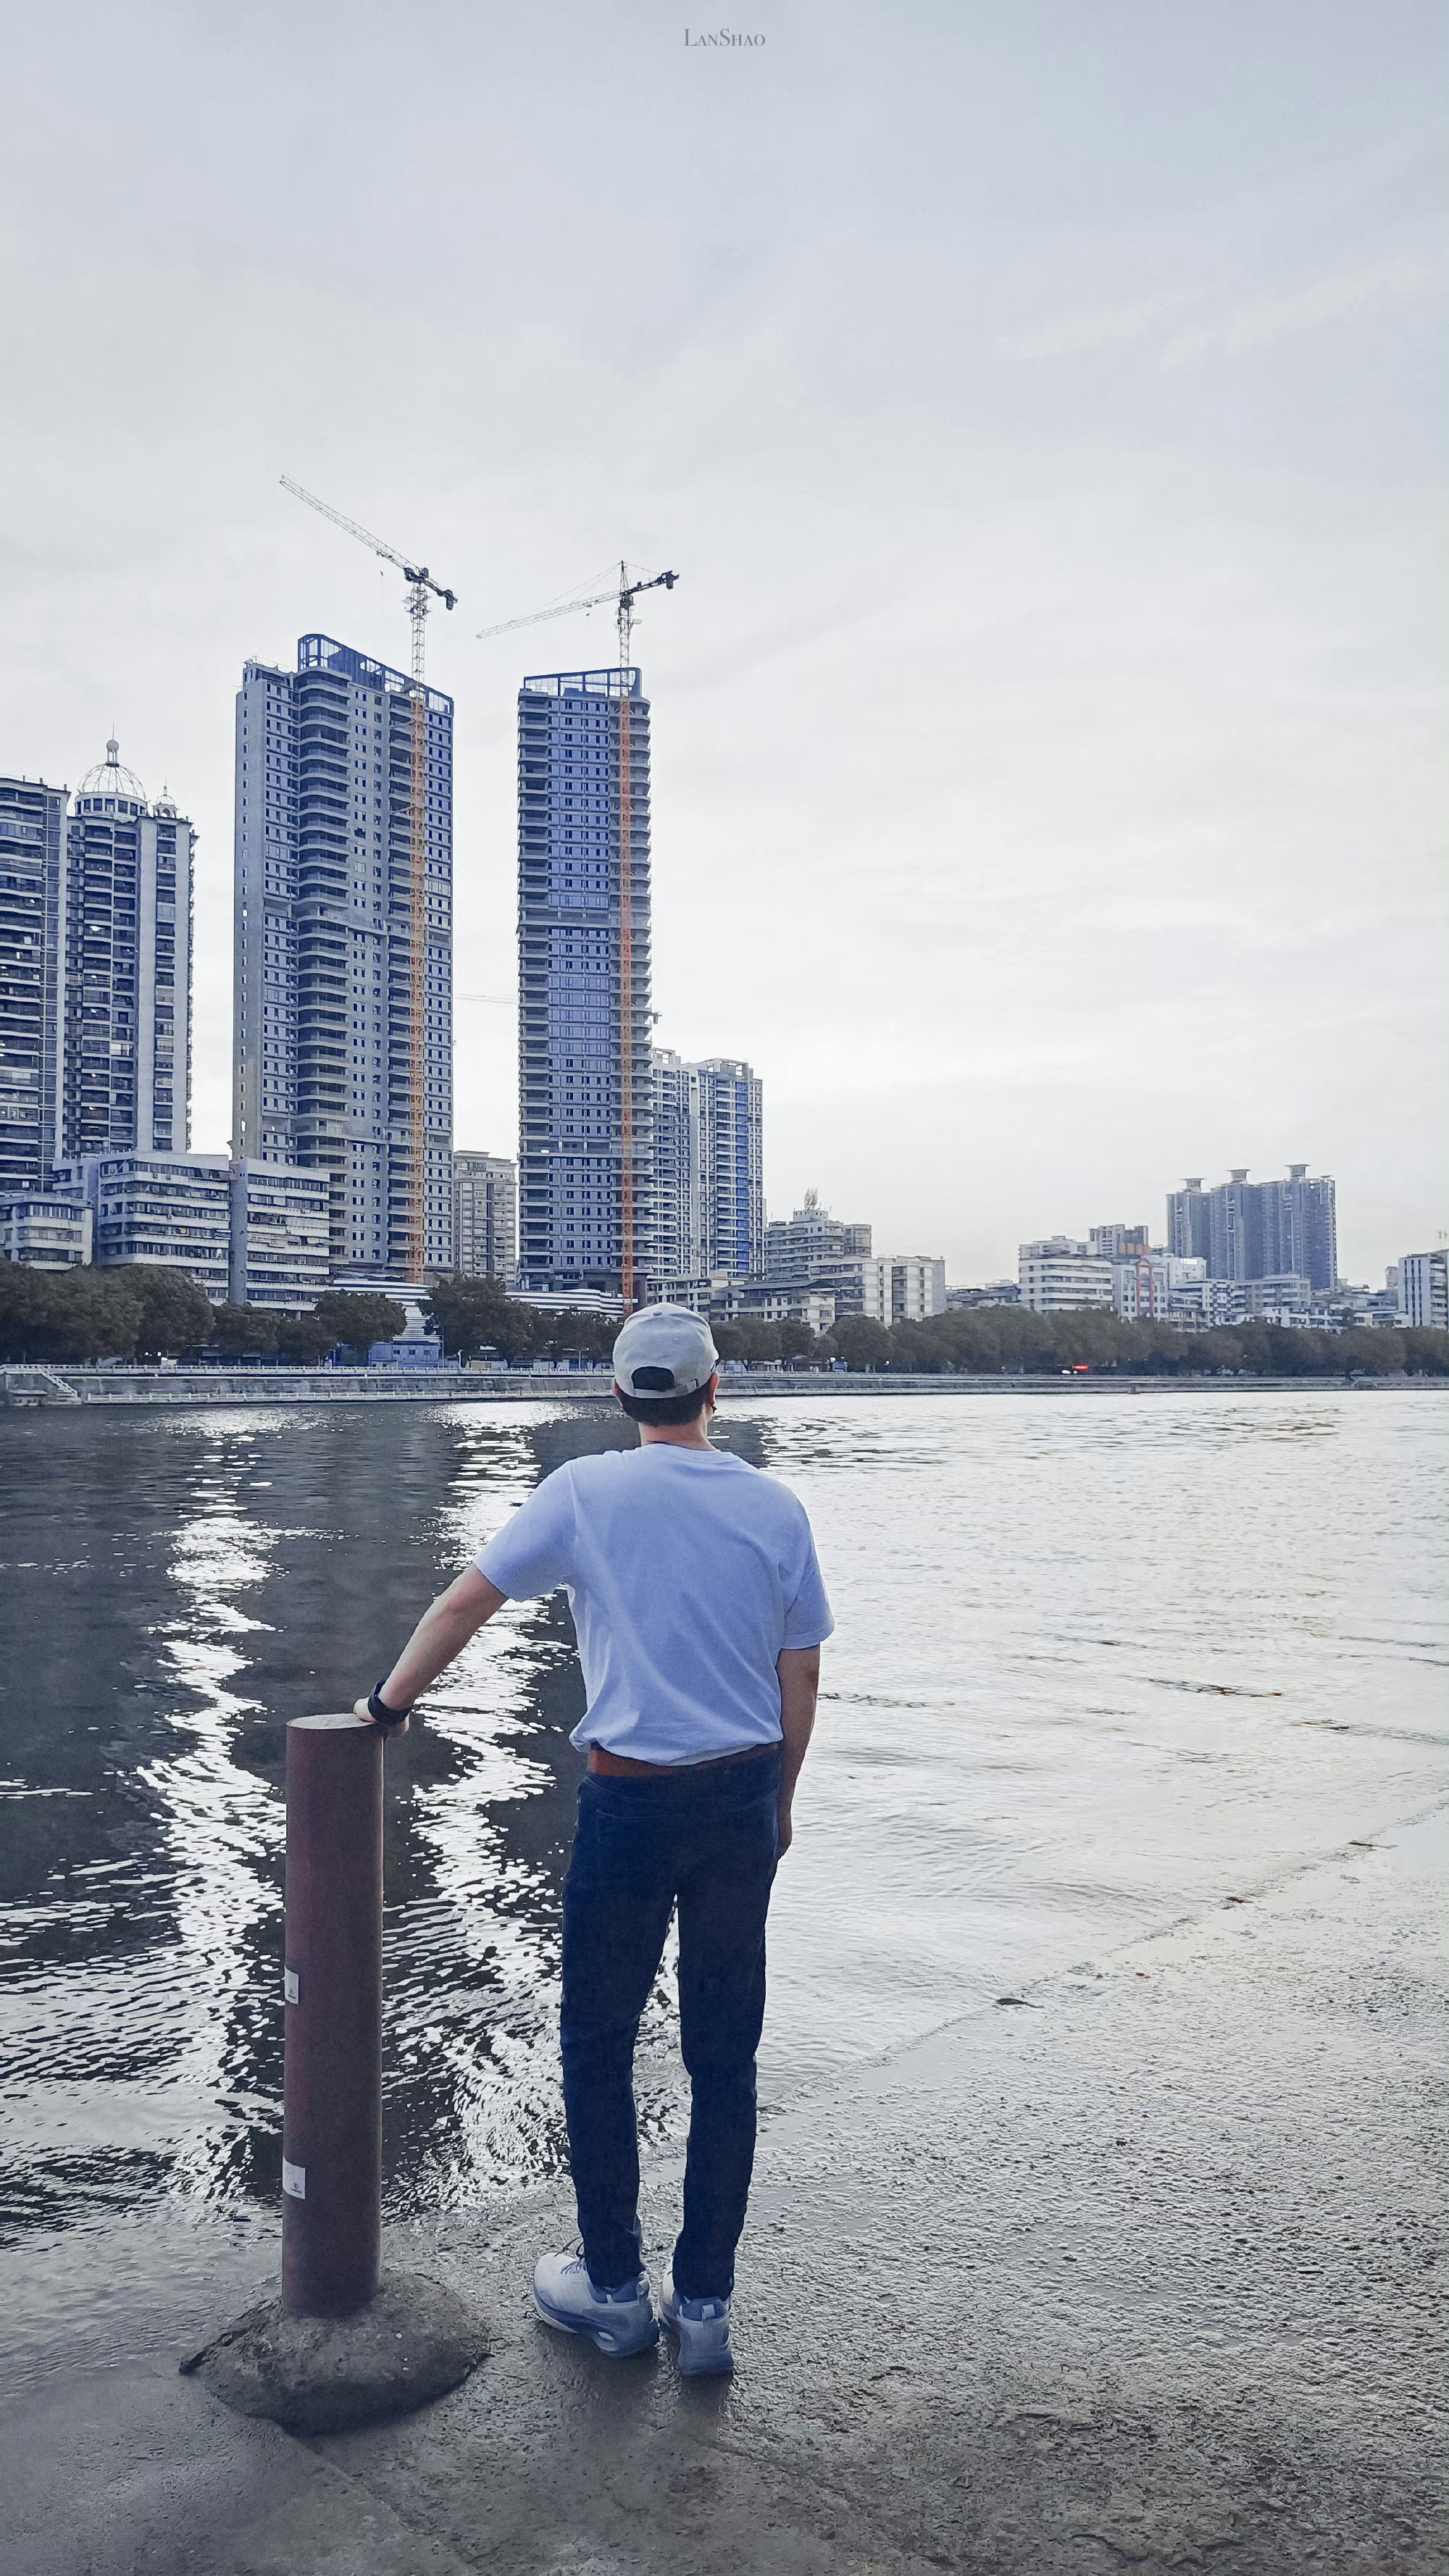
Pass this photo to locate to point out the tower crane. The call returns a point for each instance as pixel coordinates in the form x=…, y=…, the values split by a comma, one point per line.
x=419, y=580
x=625, y=595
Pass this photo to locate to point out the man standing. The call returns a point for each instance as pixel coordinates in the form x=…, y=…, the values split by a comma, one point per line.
x=700, y=1615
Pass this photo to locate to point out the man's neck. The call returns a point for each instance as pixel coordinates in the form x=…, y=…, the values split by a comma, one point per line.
x=676, y=1435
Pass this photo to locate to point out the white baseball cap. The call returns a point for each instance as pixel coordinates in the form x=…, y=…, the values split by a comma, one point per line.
x=664, y=1351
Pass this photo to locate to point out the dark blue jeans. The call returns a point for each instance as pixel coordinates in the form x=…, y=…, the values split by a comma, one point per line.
x=708, y=1843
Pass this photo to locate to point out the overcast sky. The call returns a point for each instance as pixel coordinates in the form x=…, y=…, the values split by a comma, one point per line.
x=1040, y=405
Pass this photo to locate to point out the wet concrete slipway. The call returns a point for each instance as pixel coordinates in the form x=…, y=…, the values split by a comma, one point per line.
x=1099, y=2193
x=1139, y=2271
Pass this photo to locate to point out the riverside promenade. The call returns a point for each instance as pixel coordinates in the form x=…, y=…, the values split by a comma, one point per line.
x=56, y=1383
x=1131, y=2269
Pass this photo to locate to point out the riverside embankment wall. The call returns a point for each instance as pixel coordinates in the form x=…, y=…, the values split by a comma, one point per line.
x=61, y=1386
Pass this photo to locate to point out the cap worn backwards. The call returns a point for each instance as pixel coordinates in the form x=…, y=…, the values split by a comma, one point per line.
x=664, y=1351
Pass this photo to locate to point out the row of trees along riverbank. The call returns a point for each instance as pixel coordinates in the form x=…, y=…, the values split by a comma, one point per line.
x=145, y=1312
x=474, y=1316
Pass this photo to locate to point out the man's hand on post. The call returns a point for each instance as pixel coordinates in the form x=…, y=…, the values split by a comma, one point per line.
x=442, y=1632
x=398, y=1726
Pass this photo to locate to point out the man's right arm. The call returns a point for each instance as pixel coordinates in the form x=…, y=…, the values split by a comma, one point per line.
x=799, y=1671
x=442, y=1632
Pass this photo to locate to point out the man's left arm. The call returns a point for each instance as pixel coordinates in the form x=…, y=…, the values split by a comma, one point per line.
x=442, y=1632
x=799, y=1671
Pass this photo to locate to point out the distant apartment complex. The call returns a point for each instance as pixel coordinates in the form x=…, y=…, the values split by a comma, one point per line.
x=904, y=1288
x=122, y=971
x=812, y=1239
x=173, y=1210
x=586, y=1102
x=818, y=1271
x=343, y=1033
x=1247, y=1229
x=1118, y=1242
x=485, y=1216
x=254, y=1233
x=32, y=821
x=45, y=1230
x=95, y=972
x=279, y=1251
x=1059, y=1276
x=708, y=1166
x=1423, y=1289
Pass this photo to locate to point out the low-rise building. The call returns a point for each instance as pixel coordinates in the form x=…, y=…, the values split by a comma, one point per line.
x=699, y=1296
x=414, y=1348
x=170, y=1209
x=722, y=1298
x=1289, y=1293
x=903, y=1288
x=571, y=1301
x=280, y=1224
x=1144, y=1284
x=1058, y=1276
x=1199, y=1303
x=812, y=1240
x=1000, y=1292
x=1423, y=1285
x=45, y=1232
x=255, y=1233
x=777, y=1301
x=1348, y=1308
x=1211, y=1302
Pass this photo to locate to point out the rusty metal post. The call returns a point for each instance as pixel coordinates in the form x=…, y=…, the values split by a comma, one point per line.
x=332, y=2099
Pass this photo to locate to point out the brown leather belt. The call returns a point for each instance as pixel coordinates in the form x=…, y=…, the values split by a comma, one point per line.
x=618, y=1766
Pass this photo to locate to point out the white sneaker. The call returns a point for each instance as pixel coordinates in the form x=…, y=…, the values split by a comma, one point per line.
x=703, y=2328
x=619, y=2321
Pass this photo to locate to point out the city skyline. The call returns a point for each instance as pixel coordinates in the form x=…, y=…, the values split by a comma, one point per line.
x=1036, y=418
x=557, y=808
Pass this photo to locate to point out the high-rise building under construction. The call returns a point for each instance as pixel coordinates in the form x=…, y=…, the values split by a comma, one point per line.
x=343, y=1038
x=586, y=1216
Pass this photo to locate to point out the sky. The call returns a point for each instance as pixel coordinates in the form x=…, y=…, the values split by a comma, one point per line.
x=1040, y=405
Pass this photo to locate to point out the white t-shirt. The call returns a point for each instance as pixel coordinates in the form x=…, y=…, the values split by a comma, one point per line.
x=687, y=1571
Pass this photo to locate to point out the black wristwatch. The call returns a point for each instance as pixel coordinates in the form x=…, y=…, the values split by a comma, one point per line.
x=381, y=1715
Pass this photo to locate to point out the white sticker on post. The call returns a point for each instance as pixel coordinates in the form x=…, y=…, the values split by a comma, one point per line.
x=294, y=2180
x=291, y=1986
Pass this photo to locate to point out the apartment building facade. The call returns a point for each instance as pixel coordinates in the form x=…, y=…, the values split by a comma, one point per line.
x=32, y=823
x=485, y=1216
x=1248, y=1229
x=1059, y=1276
x=586, y=1095
x=1423, y=1289
x=122, y=971
x=343, y=1005
x=709, y=1210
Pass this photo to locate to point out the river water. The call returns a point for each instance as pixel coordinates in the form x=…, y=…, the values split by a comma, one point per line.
x=1100, y=1661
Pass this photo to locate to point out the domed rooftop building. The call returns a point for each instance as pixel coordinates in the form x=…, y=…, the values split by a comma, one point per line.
x=110, y=789
x=121, y=1076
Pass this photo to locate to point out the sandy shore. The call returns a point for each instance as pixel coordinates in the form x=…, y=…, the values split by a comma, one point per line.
x=1137, y=2272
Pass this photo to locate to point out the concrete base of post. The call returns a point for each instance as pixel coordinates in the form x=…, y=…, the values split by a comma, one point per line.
x=414, y=2339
